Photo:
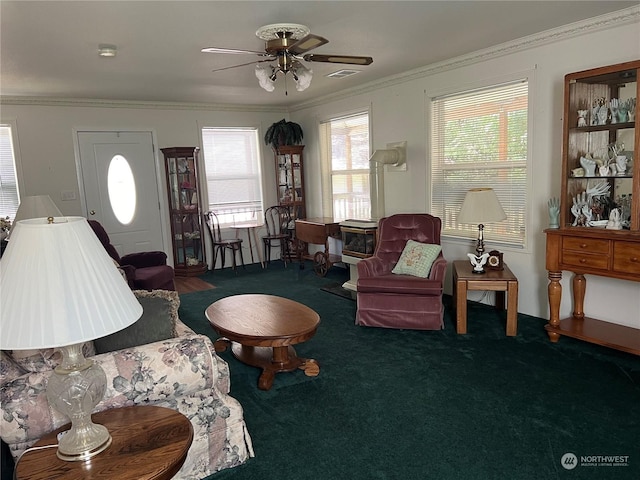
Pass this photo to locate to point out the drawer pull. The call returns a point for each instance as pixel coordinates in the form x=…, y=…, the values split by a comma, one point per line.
x=583, y=260
x=634, y=259
x=583, y=245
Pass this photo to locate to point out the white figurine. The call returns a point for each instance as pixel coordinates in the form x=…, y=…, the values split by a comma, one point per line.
x=621, y=164
x=478, y=261
x=582, y=118
x=614, y=222
x=589, y=166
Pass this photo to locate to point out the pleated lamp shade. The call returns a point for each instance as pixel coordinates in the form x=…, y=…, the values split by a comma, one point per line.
x=59, y=287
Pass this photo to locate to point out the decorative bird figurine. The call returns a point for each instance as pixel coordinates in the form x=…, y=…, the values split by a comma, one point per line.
x=478, y=261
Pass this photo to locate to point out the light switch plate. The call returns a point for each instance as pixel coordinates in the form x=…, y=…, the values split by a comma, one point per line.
x=68, y=195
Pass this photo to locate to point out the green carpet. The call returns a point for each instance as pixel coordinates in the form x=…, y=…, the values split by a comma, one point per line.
x=400, y=404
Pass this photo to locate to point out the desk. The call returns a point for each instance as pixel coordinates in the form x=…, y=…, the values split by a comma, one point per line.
x=500, y=281
x=148, y=443
x=251, y=231
x=316, y=231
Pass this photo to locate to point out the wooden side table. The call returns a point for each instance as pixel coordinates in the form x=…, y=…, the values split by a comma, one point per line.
x=500, y=281
x=148, y=443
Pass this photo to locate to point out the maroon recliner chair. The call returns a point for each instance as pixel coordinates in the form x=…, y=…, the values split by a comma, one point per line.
x=144, y=270
x=389, y=300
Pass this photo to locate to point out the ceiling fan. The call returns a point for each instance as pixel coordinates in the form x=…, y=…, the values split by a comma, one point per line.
x=287, y=44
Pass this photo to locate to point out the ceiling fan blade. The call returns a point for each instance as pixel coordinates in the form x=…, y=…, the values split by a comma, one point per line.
x=350, y=59
x=243, y=64
x=306, y=43
x=230, y=50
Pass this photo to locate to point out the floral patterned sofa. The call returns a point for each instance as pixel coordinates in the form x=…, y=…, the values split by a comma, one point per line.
x=182, y=372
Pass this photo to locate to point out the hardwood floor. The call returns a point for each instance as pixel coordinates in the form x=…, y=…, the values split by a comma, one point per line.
x=191, y=284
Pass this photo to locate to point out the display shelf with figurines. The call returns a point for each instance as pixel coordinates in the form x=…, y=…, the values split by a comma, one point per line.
x=598, y=232
x=181, y=167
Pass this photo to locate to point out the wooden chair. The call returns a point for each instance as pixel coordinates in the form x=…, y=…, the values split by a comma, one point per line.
x=221, y=245
x=277, y=221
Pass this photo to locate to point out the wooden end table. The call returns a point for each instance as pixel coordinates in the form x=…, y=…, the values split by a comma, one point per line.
x=500, y=281
x=261, y=330
x=149, y=443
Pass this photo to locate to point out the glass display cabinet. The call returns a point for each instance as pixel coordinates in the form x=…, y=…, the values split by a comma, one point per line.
x=181, y=166
x=290, y=180
x=599, y=209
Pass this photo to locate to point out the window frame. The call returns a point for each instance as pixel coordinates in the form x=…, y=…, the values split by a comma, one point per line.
x=492, y=232
x=12, y=124
x=328, y=172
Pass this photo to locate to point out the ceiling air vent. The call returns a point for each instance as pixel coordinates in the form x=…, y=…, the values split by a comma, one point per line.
x=343, y=73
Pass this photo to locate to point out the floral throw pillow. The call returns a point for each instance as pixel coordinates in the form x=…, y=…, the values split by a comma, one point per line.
x=417, y=258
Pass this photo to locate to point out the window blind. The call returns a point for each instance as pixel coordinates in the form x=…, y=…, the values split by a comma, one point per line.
x=347, y=161
x=9, y=198
x=232, y=166
x=479, y=139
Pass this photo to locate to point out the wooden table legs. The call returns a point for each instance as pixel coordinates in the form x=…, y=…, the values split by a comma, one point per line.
x=499, y=281
x=271, y=360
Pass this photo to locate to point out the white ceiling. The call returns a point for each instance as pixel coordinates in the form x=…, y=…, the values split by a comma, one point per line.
x=49, y=48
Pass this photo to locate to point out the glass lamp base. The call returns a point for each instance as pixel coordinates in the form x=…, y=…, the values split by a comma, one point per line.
x=75, y=388
x=71, y=451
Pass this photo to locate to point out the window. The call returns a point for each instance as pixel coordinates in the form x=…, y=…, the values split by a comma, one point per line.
x=479, y=139
x=121, y=188
x=232, y=166
x=9, y=195
x=345, y=153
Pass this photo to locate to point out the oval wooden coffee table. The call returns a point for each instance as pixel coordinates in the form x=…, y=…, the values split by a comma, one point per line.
x=261, y=330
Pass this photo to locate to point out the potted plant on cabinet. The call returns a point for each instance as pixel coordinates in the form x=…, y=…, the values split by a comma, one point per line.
x=283, y=133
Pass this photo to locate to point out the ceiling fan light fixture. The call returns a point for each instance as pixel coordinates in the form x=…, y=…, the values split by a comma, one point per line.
x=266, y=77
x=286, y=45
x=302, y=76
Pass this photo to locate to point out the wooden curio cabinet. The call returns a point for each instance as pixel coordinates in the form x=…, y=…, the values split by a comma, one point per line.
x=599, y=224
x=181, y=166
x=290, y=179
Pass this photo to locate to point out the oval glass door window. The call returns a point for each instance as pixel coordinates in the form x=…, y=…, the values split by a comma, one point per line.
x=122, y=189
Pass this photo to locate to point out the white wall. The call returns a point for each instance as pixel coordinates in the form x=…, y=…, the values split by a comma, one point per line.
x=399, y=112
x=398, y=107
x=46, y=142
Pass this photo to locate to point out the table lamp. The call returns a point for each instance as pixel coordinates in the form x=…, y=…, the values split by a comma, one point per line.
x=59, y=289
x=480, y=205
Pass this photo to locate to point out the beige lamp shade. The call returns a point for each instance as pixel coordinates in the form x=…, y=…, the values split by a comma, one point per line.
x=60, y=287
x=481, y=205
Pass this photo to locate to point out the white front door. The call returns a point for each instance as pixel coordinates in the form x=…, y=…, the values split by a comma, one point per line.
x=120, y=182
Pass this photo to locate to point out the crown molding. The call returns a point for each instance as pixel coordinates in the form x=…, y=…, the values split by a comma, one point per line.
x=602, y=22
x=92, y=102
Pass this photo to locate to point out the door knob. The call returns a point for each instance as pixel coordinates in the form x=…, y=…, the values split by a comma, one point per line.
x=92, y=212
